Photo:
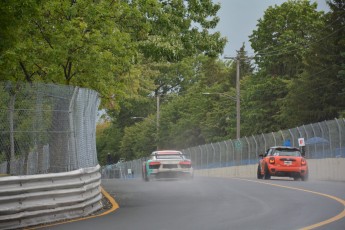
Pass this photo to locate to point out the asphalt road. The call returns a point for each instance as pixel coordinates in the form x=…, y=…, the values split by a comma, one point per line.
x=220, y=204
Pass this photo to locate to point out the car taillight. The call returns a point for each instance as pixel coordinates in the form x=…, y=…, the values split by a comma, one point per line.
x=154, y=165
x=185, y=164
x=303, y=161
x=272, y=160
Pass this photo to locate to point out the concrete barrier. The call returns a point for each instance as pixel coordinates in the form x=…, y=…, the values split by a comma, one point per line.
x=319, y=169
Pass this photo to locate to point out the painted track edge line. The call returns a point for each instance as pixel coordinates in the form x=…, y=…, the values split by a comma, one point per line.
x=114, y=207
x=313, y=226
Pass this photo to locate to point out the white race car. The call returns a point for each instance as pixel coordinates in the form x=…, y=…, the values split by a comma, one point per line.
x=166, y=164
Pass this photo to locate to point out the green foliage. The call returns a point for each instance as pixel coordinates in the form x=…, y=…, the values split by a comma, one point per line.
x=139, y=140
x=185, y=112
x=283, y=36
x=108, y=135
x=101, y=44
x=133, y=51
x=260, y=106
x=77, y=43
x=318, y=93
x=180, y=29
x=125, y=50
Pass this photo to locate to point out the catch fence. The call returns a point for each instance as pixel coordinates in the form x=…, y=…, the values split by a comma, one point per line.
x=322, y=140
x=46, y=128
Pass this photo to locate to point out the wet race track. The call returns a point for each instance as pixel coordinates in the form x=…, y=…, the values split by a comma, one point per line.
x=220, y=204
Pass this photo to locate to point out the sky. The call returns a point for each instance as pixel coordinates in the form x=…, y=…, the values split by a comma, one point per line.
x=238, y=18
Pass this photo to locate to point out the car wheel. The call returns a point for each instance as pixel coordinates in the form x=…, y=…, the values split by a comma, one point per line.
x=305, y=177
x=259, y=176
x=267, y=174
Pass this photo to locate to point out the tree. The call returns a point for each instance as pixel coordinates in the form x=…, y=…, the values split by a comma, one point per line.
x=139, y=140
x=186, y=114
x=318, y=93
x=179, y=29
x=259, y=104
x=103, y=45
x=283, y=36
x=285, y=43
x=109, y=46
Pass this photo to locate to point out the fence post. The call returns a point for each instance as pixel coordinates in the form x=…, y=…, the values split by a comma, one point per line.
x=256, y=147
x=339, y=133
x=226, y=154
x=214, y=154
x=220, y=155
x=282, y=136
x=312, y=128
x=264, y=140
x=323, y=146
x=248, y=160
x=274, y=138
x=72, y=138
x=292, y=137
x=201, y=165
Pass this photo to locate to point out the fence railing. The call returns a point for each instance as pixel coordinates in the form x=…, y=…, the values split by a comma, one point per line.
x=322, y=140
x=46, y=128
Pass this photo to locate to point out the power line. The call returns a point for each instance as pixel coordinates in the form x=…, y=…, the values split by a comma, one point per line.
x=285, y=49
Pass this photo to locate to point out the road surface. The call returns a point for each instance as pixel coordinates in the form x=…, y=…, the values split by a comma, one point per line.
x=220, y=204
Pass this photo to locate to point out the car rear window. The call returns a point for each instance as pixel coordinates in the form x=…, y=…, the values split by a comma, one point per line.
x=287, y=152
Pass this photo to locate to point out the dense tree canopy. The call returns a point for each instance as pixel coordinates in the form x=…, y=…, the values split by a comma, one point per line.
x=100, y=44
x=283, y=36
x=134, y=52
x=298, y=79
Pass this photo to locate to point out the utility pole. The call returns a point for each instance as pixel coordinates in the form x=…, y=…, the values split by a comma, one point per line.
x=238, y=99
x=157, y=121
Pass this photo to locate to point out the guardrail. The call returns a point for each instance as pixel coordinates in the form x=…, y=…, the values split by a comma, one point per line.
x=37, y=199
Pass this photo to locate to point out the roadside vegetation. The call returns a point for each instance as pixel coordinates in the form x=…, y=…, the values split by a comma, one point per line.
x=136, y=52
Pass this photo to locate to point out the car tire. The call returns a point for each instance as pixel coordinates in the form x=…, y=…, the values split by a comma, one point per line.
x=259, y=176
x=267, y=174
x=305, y=177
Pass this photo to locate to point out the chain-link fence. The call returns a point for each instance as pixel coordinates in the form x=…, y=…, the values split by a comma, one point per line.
x=322, y=140
x=46, y=128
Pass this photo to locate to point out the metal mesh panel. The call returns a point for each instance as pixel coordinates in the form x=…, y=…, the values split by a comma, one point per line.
x=46, y=128
x=323, y=140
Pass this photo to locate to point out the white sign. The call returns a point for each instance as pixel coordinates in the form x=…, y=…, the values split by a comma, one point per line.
x=301, y=142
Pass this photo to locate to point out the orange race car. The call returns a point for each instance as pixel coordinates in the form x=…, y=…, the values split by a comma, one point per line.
x=283, y=161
